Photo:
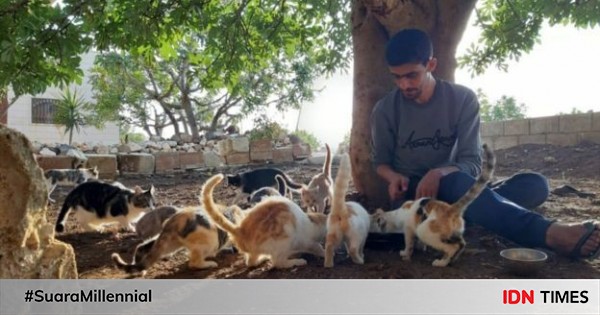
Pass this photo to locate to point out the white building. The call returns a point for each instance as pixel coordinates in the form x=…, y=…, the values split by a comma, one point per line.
x=33, y=114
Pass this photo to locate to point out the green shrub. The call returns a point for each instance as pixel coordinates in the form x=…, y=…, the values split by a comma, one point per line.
x=308, y=138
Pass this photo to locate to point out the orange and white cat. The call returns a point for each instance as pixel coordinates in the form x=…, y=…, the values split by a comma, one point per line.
x=436, y=223
x=274, y=229
x=319, y=190
x=348, y=221
x=191, y=229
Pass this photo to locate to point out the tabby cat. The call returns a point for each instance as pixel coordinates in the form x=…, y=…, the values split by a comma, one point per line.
x=190, y=229
x=150, y=224
x=275, y=229
x=435, y=223
x=98, y=203
x=318, y=192
x=348, y=221
x=68, y=177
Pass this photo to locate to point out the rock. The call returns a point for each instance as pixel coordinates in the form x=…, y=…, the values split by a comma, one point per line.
x=114, y=150
x=28, y=248
x=77, y=154
x=47, y=152
x=550, y=159
x=240, y=144
x=212, y=159
x=166, y=147
x=155, y=138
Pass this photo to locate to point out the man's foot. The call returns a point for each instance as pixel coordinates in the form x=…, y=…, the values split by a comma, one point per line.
x=575, y=240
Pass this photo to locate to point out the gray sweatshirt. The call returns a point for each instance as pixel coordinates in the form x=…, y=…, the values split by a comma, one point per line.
x=413, y=138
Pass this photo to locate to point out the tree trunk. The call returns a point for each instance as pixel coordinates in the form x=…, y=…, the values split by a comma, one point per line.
x=191, y=118
x=373, y=22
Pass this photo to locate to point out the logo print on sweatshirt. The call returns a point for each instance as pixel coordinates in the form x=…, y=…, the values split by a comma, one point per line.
x=435, y=142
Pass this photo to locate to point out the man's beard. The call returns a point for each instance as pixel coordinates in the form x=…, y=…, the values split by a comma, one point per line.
x=411, y=94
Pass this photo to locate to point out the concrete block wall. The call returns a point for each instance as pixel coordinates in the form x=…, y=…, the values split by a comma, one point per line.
x=561, y=130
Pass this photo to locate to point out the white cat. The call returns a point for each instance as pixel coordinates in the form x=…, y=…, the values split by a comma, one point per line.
x=347, y=222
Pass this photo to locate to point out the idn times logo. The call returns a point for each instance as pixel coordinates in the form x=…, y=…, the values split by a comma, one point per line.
x=547, y=297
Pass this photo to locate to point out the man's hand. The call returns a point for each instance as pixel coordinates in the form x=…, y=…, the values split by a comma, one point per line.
x=398, y=185
x=430, y=183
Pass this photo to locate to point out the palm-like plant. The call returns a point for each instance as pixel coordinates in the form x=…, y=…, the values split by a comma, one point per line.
x=70, y=112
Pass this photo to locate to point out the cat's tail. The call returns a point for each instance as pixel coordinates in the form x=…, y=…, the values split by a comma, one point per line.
x=342, y=180
x=487, y=172
x=212, y=209
x=281, y=186
x=129, y=268
x=289, y=182
x=327, y=164
x=64, y=211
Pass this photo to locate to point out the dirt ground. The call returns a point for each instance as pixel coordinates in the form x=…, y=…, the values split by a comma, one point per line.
x=577, y=166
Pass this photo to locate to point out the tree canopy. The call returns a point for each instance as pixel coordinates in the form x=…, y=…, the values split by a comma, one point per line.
x=42, y=40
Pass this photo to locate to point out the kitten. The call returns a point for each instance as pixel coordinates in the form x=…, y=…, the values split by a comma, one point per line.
x=70, y=177
x=435, y=223
x=150, y=224
x=348, y=221
x=190, y=229
x=319, y=189
x=253, y=180
x=274, y=229
x=98, y=203
x=264, y=192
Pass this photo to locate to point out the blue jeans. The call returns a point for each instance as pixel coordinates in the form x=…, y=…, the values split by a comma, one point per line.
x=502, y=207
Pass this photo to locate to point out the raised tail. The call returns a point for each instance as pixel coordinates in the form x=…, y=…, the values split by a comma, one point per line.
x=342, y=180
x=281, y=185
x=289, y=182
x=210, y=207
x=487, y=172
x=327, y=164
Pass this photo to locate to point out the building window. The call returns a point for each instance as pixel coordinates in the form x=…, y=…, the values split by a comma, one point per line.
x=42, y=110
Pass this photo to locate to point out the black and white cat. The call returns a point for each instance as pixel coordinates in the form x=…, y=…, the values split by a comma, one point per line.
x=72, y=177
x=258, y=195
x=98, y=203
x=253, y=180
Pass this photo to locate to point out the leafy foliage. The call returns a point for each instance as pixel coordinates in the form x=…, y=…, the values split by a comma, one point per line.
x=506, y=108
x=511, y=28
x=308, y=138
x=70, y=112
x=42, y=40
x=265, y=128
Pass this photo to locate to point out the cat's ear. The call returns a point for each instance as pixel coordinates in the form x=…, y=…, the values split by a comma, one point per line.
x=138, y=189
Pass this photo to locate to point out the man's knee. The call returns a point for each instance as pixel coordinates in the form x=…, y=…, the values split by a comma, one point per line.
x=454, y=185
x=536, y=186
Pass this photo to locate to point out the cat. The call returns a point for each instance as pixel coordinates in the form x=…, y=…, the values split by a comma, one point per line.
x=319, y=190
x=274, y=229
x=98, y=203
x=435, y=223
x=190, y=229
x=253, y=180
x=348, y=221
x=71, y=177
x=264, y=192
x=150, y=224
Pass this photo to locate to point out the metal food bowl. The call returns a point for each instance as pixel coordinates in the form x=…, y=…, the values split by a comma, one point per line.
x=524, y=261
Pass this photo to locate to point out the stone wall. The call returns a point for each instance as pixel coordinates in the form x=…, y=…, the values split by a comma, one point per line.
x=233, y=151
x=558, y=130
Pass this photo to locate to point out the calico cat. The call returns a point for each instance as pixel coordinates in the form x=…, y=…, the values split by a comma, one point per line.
x=435, y=223
x=264, y=192
x=274, y=229
x=319, y=189
x=71, y=177
x=190, y=229
x=253, y=180
x=98, y=203
x=348, y=221
x=150, y=224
